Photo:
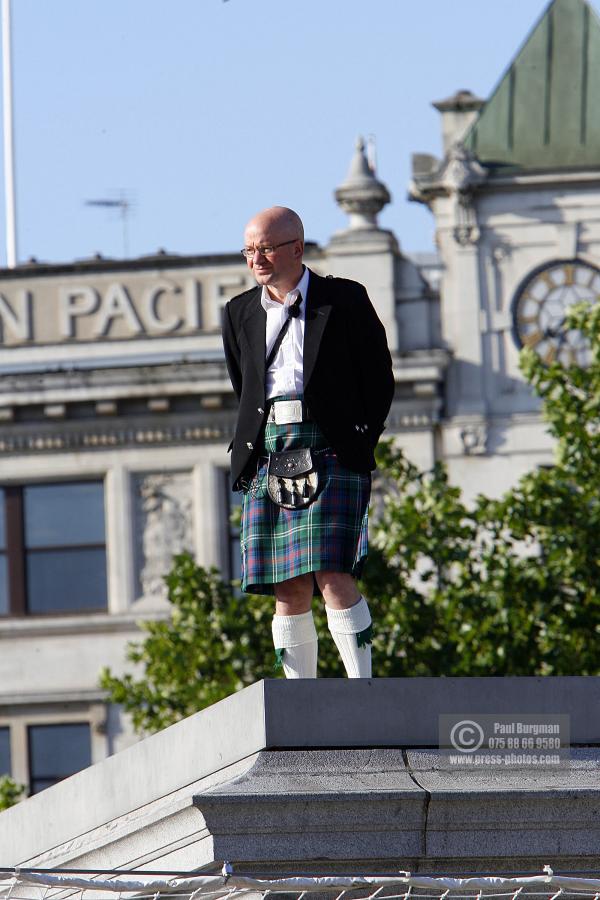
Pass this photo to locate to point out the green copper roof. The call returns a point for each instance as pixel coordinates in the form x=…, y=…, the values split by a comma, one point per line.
x=545, y=112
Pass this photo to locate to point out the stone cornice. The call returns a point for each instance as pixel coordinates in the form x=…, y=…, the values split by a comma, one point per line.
x=534, y=180
x=422, y=416
x=81, y=435
x=421, y=365
x=153, y=262
x=419, y=377
x=419, y=410
x=112, y=383
x=85, y=624
x=48, y=698
x=503, y=420
x=425, y=188
x=171, y=404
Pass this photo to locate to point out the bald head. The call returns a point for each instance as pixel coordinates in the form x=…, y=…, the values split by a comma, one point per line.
x=279, y=218
x=274, y=241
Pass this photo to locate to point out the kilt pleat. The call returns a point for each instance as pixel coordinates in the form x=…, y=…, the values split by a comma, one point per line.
x=330, y=534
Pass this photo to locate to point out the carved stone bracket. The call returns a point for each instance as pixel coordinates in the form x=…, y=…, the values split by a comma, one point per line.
x=474, y=439
x=466, y=235
x=501, y=251
x=458, y=175
x=462, y=171
x=461, y=176
x=466, y=230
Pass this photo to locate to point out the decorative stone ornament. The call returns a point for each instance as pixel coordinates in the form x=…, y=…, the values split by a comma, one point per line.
x=460, y=176
x=461, y=172
x=361, y=195
x=457, y=177
x=474, y=439
x=164, y=526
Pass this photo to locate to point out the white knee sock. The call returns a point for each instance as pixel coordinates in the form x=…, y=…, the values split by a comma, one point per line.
x=347, y=627
x=297, y=637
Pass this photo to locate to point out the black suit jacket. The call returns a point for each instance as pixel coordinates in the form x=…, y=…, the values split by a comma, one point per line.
x=348, y=381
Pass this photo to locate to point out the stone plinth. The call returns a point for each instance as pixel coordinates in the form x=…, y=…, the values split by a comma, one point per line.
x=327, y=775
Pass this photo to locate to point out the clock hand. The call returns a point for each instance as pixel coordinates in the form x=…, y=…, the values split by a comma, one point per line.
x=554, y=331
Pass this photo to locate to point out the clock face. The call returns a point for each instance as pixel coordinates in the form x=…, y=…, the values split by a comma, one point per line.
x=541, y=305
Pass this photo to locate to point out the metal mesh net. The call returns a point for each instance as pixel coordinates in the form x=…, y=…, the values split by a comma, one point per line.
x=61, y=885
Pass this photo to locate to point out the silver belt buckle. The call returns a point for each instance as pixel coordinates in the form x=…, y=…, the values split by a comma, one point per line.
x=287, y=411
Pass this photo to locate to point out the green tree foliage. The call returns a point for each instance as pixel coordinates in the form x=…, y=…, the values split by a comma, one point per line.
x=10, y=792
x=506, y=586
x=497, y=587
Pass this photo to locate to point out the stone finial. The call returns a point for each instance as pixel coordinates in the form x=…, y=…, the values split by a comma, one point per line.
x=361, y=195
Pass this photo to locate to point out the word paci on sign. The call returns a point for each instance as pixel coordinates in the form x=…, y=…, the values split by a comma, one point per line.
x=69, y=311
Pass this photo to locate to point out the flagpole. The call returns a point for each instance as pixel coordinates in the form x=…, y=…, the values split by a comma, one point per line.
x=9, y=164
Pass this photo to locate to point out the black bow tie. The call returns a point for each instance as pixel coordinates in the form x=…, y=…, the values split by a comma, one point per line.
x=294, y=310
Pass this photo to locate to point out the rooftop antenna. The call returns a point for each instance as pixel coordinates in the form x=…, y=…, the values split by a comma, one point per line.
x=124, y=206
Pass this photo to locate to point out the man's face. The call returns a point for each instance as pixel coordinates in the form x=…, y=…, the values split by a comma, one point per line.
x=281, y=268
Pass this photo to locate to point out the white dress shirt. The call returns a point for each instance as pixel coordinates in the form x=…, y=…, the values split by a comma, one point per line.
x=285, y=375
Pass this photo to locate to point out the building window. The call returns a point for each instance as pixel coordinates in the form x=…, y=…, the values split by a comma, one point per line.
x=52, y=548
x=57, y=751
x=5, y=768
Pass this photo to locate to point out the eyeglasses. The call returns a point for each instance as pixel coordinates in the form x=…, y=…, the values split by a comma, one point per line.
x=266, y=249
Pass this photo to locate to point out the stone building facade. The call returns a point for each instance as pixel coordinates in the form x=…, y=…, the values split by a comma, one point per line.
x=516, y=200
x=116, y=409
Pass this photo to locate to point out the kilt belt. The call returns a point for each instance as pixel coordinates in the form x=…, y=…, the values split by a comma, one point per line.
x=287, y=412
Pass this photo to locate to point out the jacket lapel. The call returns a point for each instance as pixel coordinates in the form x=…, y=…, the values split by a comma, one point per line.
x=318, y=307
x=255, y=328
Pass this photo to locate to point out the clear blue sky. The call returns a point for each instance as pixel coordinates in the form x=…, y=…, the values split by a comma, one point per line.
x=205, y=111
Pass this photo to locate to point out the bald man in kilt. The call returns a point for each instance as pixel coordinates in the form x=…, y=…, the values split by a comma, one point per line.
x=309, y=363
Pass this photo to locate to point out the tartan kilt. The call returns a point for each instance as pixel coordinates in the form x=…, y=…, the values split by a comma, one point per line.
x=330, y=534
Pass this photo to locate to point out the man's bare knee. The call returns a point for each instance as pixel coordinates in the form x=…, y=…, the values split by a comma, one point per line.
x=294, y=596
x=338, y=588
